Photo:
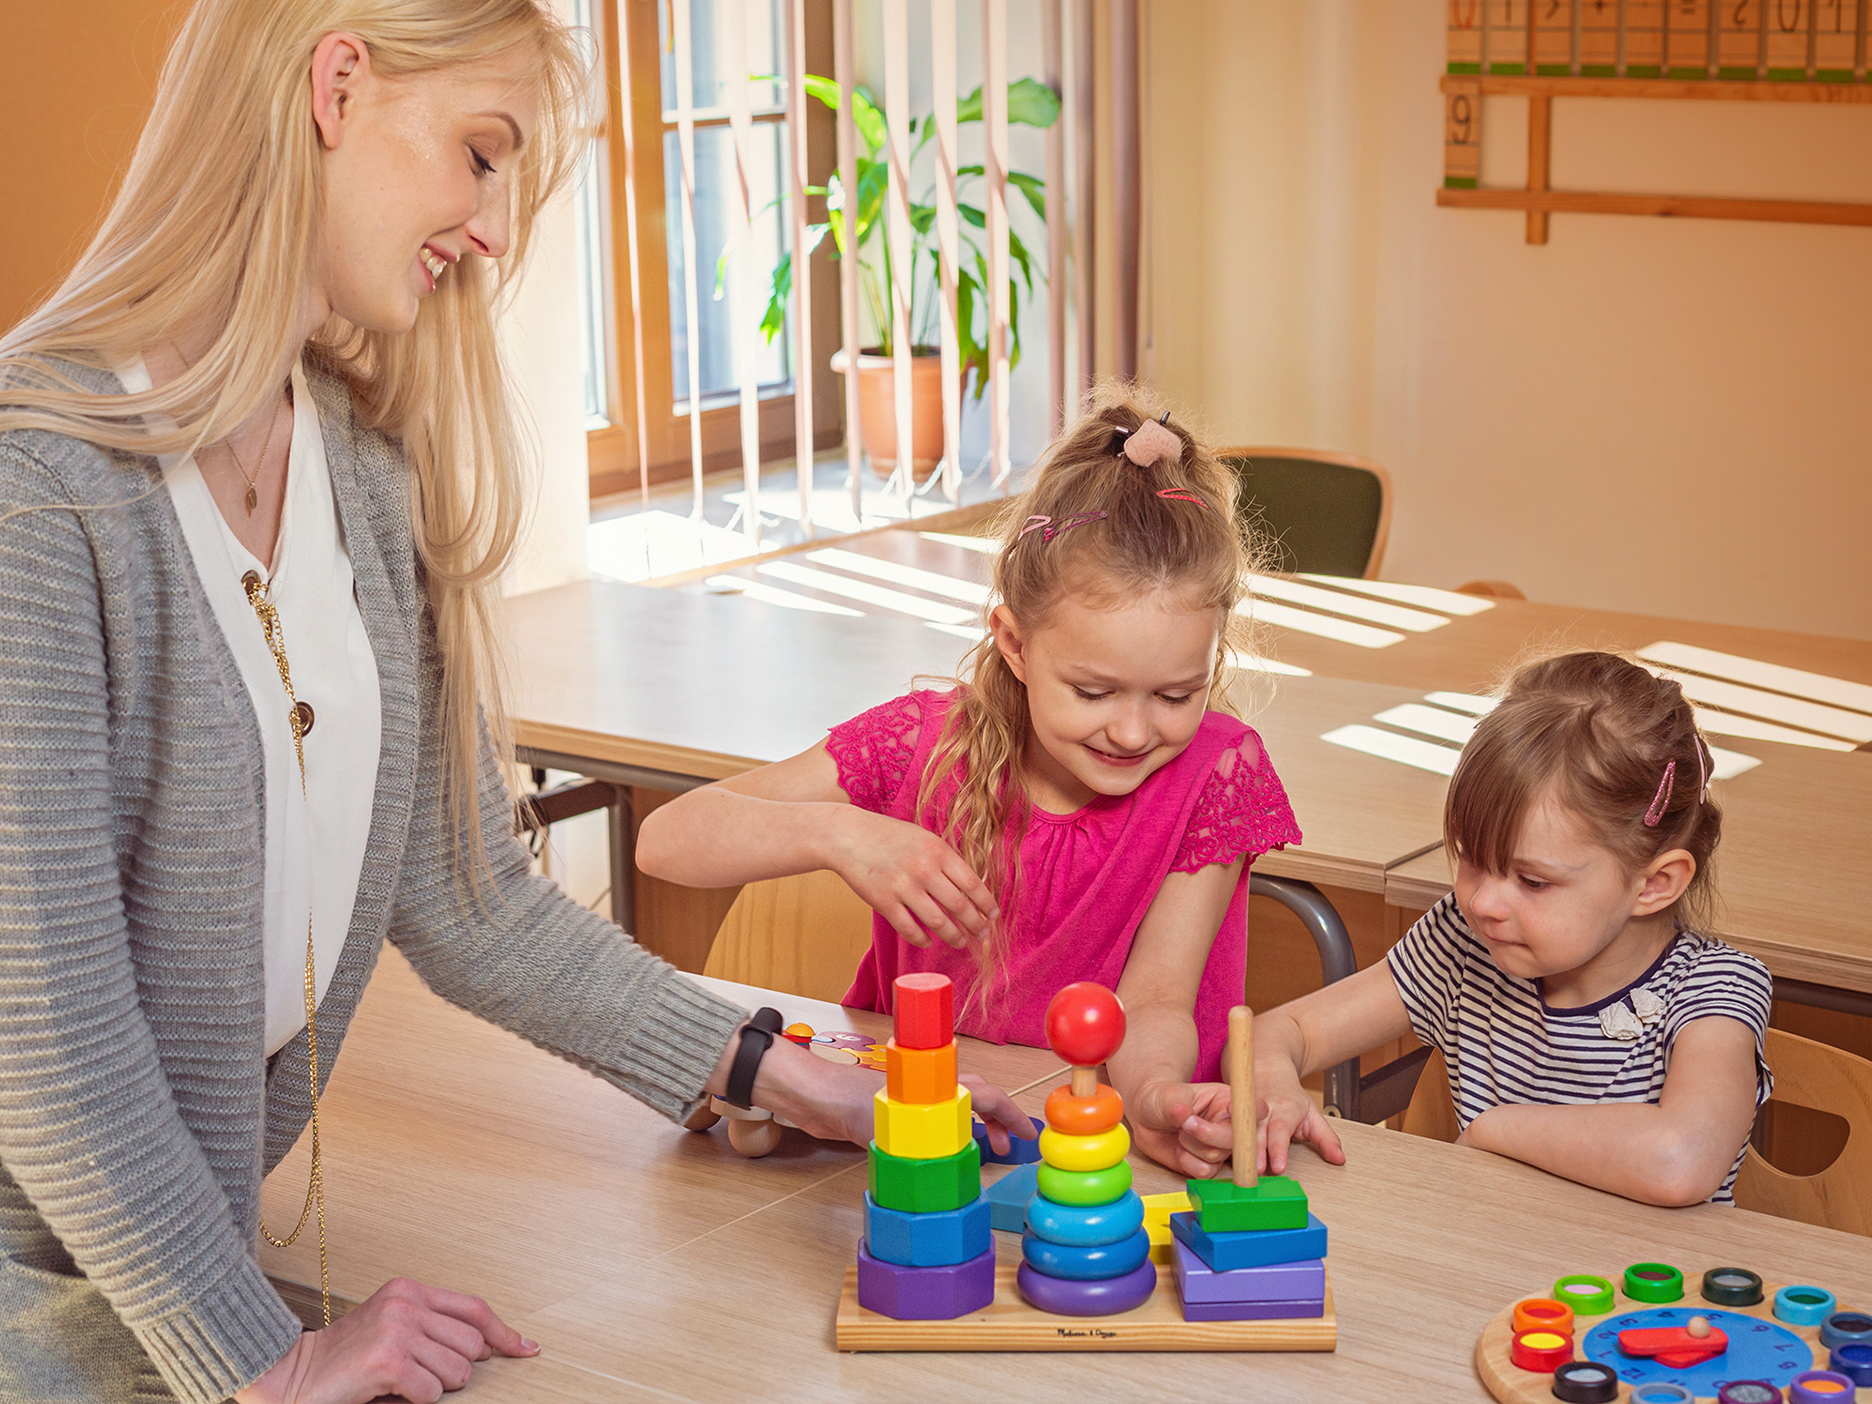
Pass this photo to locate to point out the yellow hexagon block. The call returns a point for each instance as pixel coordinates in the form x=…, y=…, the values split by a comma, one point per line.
x=1099, y=1152
x=922, y=1130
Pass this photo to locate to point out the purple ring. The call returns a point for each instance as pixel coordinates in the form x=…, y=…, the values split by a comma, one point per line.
x=1103, y=1297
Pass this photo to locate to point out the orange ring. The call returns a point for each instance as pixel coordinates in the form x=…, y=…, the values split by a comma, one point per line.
x=1543, y=1314
x=1083, y=1116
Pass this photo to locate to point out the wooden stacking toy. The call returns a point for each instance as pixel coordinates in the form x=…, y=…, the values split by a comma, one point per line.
x=1085, y=1249
x=1248, y=1250
x=928, y=1250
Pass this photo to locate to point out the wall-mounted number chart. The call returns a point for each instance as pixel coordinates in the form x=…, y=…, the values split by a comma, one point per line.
x=1721, y=50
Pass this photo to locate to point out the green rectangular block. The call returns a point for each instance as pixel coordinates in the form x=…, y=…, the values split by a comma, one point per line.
x=1222, y=1206
x=926, y=1186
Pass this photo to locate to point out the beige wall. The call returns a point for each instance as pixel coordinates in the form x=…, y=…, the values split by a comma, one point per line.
x=1654, y=415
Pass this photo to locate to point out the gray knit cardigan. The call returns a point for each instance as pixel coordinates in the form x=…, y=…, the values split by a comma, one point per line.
x=137, y=1110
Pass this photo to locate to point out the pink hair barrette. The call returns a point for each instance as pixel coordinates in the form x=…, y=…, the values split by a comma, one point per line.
x=1048, y=528
x=1181, y=495
x=1655, y=814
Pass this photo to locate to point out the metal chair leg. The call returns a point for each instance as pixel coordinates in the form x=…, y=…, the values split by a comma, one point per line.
x=1337, y=961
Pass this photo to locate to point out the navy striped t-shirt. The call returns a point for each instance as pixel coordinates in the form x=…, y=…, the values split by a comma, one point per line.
x=1504, y=1045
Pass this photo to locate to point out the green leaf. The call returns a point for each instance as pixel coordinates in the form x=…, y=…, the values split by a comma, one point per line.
x=774, y=317
x=1032, y=187
x=1018, y=252
x=1031, y=103
x=865, y=115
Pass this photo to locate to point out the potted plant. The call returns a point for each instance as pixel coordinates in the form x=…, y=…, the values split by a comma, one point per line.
x=858, y=229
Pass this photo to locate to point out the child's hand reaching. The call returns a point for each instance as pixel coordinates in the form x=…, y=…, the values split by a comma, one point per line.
x=1183, y=1126
x=914, y=880
x=1290, y=1115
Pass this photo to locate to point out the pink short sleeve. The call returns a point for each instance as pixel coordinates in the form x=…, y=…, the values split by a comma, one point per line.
x=875, y=749
x=1241, y=808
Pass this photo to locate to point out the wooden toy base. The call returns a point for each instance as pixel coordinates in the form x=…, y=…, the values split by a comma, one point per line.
x=1011, y=1324
x=1513, y=1385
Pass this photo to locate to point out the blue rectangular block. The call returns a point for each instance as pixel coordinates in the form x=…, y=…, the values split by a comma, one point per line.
x=1008, y=1196
x=1227, y=1252
x=927, y=1240
x=1272, y=1282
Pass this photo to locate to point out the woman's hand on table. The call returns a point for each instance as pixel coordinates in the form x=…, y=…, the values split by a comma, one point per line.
x=835, y=1101
x=408, y=1339
x=912, y=878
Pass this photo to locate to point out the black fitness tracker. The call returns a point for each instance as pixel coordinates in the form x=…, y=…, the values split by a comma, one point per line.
x=757, y=1036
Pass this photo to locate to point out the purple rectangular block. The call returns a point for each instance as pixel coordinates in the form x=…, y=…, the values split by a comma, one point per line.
x=1276, y=1282
x=1252, y=1311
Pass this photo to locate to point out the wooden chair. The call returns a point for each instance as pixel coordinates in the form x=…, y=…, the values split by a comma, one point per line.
x=1431, y=1112
x=801, y=935
x=1326, y=513
x=1814, y=1075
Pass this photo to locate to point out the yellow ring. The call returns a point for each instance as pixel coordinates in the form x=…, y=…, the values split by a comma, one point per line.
x=1099, y=1152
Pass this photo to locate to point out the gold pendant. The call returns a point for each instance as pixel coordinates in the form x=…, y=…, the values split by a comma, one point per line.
x=253, y=499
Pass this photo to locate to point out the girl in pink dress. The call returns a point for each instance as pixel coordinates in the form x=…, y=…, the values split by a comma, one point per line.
x=1072, y=810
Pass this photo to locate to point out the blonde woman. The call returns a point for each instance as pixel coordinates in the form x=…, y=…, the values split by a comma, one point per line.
x=258, y=479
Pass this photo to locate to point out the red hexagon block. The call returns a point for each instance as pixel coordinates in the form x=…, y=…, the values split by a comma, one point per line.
x=924, y=1005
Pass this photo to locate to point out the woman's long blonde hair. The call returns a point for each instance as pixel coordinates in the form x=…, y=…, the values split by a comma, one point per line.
x=975, y=786
x=214, y=226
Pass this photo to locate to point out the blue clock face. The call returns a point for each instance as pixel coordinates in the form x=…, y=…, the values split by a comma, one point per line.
x=1758, y=1350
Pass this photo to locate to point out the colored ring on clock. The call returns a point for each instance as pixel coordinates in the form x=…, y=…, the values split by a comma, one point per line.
x=1085, y=1226
x=1820, y=1387
x=1732, y=1287
x=1084, y=1187
x=1854, y=1362
x=1093, y=1264
x=1653, y=1282
x=1586, y=1294
x=1845, y=1328
x=1084, y=1116
x=1099, y=1152
x=1538, y=1312
x=1540, y=1350
x=1585, y=1382
x=1748, y=1392
x=1661, y=1392
x=1801, y=1305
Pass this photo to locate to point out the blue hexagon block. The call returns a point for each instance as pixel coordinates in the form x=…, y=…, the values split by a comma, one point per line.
x=928, y=1240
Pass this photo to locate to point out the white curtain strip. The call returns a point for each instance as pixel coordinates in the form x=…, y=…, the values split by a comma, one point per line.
x=1052, y=44
x=627, y=126
x=685, y=141
x=844, y=69
x=801, y=312
x=948, y=236
x=995, y=165
x=1085, y=170
x=897, y=229
x=743, y=302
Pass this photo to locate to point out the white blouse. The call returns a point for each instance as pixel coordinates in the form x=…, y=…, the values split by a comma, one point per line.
x=315, y=838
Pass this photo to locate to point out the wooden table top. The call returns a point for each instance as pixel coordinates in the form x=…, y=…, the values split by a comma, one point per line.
x=714, y=685
x=654, y=1264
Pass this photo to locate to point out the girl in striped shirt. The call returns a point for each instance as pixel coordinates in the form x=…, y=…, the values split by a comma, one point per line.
x=1587, y=1028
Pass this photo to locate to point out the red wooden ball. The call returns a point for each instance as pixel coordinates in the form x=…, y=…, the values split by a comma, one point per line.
x=1085, y=1023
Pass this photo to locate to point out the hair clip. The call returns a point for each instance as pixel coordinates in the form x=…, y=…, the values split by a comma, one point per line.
x=1147, y=443
x=1049, y=529
x=1181, y=495
x=1697, y=742
x=1665, y=788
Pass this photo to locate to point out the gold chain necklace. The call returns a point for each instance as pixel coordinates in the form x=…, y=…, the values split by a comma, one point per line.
x=258, y=597
x=253, y=479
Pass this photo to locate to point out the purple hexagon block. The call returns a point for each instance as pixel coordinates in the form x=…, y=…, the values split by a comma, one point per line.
x=925, y=1293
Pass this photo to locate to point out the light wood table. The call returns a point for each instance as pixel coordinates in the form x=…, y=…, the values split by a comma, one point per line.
x=654, y=1264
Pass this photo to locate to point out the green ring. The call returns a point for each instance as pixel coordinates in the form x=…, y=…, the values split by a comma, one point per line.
x=1596, y=1302
x=1653, y=1282
x=1085, y=1188
x=1745, y=1293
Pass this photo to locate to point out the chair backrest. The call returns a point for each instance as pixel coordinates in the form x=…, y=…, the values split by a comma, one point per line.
x=801, y=935
x=1326, y=513
x=1826, y=1079
x=1431, y=1111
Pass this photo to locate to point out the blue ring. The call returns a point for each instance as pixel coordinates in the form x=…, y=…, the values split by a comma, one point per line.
x=1799, y=1313
x=1854, y=1362
x=1085, y=1226
x=1086, y=1264
x=1845, y=1328
x=1661, y=1392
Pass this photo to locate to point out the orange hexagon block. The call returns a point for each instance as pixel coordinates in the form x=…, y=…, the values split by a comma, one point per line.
x=920, y=1074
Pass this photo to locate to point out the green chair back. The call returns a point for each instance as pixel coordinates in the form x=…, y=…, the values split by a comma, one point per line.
x=1322, y=516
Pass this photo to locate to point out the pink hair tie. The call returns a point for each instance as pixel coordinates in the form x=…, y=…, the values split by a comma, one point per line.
x=1666, y=786
x=1179, y=495
x=1151, y=441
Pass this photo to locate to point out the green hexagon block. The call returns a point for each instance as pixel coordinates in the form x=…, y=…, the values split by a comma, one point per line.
x=926, y=1186
x=1225, y=1207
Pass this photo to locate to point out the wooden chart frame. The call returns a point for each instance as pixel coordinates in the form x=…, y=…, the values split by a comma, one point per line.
x=1728, y=53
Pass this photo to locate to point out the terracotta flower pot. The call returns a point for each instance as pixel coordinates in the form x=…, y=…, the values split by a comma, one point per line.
x=877, y=409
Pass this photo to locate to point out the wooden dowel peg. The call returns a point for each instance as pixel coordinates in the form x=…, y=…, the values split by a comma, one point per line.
x=1085, y=1082
x=1240, y=1063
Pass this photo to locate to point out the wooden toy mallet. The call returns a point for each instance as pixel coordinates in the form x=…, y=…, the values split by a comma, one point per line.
x=1240, y=1064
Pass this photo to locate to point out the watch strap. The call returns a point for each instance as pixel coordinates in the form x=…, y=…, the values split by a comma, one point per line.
x=757, y=1036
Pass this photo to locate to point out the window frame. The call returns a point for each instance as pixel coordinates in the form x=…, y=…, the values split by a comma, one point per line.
x=612, y=449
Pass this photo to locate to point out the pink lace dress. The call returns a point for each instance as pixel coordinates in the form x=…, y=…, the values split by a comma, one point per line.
x=1087, y=878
